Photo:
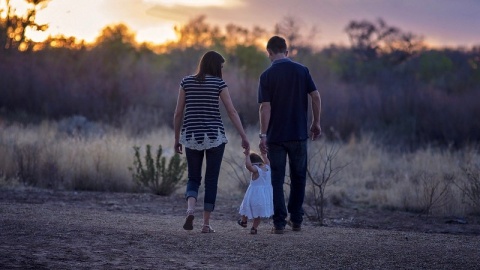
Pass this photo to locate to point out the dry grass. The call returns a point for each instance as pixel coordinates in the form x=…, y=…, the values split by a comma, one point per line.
x=98, y=157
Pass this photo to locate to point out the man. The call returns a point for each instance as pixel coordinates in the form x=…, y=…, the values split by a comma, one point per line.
x=283, y=94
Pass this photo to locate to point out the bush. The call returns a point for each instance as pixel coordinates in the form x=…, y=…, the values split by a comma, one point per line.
x=470, y=187
x=154, y=175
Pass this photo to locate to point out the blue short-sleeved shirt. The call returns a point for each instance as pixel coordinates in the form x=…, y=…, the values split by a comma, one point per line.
x=286, y=85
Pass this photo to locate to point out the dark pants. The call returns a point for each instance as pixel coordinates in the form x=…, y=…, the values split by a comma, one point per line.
x=214, y=158
x=296, y=151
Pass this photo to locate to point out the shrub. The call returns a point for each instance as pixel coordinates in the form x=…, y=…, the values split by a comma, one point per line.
x=28, y=159
x=321, y=172
x=470, y=187
x=154, y=175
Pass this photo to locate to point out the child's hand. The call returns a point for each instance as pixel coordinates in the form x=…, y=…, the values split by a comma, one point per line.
x=246, y=151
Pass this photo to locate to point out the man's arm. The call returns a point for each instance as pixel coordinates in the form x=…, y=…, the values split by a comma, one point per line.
x=264, y=115
x=315, y=129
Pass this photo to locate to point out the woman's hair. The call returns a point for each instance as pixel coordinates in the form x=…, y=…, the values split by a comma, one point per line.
x=255, y=158
x=211, y=64
x=277, y=44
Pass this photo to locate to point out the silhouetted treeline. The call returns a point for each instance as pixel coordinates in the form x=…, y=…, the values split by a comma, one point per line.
x=387, y=82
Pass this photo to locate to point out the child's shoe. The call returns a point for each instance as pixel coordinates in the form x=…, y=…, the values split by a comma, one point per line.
x=242, y=223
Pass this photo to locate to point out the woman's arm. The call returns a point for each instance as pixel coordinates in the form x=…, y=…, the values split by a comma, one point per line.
x=177, y=119
x=233, y=115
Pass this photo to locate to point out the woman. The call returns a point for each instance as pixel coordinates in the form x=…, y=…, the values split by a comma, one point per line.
x=203, y=133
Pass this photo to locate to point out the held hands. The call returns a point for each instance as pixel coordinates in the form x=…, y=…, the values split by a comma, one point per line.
x=246, y=152
x=245, y=145
x=263, y=145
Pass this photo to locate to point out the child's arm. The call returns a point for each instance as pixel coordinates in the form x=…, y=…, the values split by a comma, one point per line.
x=265, y=158
x=248, y=163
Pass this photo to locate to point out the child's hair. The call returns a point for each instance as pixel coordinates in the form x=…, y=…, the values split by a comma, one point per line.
x=255, y=158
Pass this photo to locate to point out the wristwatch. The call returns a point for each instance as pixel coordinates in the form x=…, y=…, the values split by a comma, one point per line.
x=262, y=135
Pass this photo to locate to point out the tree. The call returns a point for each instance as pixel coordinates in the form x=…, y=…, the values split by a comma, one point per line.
x=321, y=172
x=198, y=34
x=291, y=29
x=116, y=35
x=372, y=40
x=13, y=27
x=60, y=42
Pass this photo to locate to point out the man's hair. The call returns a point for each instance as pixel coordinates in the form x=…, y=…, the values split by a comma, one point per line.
x=277, y=44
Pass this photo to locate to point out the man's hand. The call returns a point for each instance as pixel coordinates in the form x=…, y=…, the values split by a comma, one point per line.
x=263, y=145
x=315, y=132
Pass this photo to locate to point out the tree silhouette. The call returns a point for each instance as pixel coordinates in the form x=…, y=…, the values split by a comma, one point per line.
x=371, y=40
x=13, y=27
x=198, y=34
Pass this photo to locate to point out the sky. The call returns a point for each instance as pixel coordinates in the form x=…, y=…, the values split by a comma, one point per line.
x=441, y=23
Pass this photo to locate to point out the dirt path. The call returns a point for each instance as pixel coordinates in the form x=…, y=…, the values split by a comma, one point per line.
x=67, y=230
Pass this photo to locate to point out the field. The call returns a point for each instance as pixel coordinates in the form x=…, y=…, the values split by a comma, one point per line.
x=45, y=229
x=75, y=154
x=67, y=201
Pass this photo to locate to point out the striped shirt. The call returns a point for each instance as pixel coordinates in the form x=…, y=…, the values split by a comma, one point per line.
x=202, y=123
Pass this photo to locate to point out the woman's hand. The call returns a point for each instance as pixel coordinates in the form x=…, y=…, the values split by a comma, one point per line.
x=178, y=148
x=246, y=152
x=245, y=145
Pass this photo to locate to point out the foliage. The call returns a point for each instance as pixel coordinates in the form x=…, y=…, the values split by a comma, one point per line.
x=431, y=191
x=13, y=26
x=386, y=82
x=470, y=186
x=371, y=40
x=27, y=159
x=154, y=173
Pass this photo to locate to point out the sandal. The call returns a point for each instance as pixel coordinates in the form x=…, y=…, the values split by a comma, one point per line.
x=253, y=231
x=188, y=225
x=242, y=223
x=207, y=229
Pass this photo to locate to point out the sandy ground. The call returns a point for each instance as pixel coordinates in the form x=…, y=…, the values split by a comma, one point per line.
x=44, y=229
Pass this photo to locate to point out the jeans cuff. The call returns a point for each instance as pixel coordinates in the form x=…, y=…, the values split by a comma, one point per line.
x=189, y=194
x=208, y=207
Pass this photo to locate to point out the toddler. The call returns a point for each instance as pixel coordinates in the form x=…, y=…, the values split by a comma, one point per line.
x=258, y=200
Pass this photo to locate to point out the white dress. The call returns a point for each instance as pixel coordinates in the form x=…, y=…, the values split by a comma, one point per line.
x=258, y=199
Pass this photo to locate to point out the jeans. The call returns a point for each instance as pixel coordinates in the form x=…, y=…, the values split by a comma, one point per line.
x=297, y=157
x=214, y=158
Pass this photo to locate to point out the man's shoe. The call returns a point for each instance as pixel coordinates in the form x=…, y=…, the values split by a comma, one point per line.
x=276, y=230
x=295, y=227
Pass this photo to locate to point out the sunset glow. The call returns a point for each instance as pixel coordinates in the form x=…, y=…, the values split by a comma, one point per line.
x=154, y=20
x=85, y=19
x=196, y=3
